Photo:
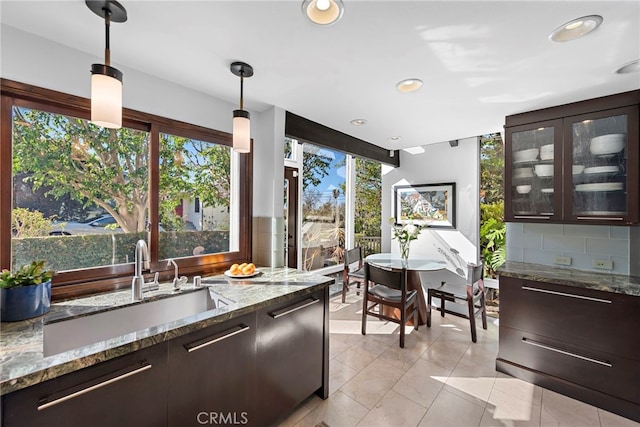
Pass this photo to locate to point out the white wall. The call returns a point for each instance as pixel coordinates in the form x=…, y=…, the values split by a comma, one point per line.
x=440, y=163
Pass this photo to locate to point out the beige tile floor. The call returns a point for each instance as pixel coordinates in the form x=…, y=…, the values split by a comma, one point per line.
x=439, y=379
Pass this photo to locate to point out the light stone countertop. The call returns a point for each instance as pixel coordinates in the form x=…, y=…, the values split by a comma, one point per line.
x=606, y=282
x=22, y=362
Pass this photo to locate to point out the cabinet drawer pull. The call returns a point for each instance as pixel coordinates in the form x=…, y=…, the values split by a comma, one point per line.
x=567, y=353
x=531, y=217
x=564, y=294
x=291, y=309
x=67, y=396
x=601, y=218
x=197, y=345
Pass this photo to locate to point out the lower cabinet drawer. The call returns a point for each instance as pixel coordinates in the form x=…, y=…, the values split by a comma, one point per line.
x=611, y=374
x=601, y=321
x=128, y=390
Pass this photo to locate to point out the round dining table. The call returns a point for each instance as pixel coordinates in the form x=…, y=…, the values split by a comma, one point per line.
x=414, y=266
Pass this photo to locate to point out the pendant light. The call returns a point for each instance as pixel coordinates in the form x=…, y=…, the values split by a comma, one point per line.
x=241, y=121
x=106, y=81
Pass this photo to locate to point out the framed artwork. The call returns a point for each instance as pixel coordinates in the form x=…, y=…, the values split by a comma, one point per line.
x=427, y=205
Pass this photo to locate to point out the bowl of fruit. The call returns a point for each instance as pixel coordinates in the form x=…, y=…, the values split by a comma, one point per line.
x=246, y=269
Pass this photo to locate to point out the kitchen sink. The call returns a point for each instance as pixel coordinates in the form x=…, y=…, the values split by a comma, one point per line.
x=77, y=332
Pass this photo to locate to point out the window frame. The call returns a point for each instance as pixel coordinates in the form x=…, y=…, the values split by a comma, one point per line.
x=75, y=283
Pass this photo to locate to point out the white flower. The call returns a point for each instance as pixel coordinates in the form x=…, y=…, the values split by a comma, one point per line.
x=405, y=233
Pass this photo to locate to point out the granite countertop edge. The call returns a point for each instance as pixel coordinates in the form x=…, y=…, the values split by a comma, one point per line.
x=23, y=364
x=605, y=282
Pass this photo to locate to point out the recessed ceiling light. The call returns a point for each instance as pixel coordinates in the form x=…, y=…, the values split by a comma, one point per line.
x=629, y=67
x=358, y=122
x=323, y=12
x=575, y=29
x=409, y=85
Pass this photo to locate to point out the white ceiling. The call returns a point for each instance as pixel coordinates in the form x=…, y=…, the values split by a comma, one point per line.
x=479, y=60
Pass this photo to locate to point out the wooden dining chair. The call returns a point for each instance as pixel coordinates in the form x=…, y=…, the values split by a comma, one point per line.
x=471, y=293
x=388, y=289
x=353, y=271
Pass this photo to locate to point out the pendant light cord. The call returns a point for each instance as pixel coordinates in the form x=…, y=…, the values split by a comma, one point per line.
x=241, y=89
x=107, y=24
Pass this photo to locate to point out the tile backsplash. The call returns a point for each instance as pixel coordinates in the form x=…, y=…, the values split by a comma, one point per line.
x=542, y=243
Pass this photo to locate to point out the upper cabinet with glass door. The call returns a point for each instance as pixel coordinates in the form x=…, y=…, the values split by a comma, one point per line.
x=534, y=175
x=575, y=163
x=603, y=154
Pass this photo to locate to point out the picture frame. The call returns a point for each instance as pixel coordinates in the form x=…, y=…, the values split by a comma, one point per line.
x=427, y=205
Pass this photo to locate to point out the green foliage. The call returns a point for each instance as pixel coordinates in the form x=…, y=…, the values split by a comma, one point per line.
x=492, y=236
x=491, y=168
x=188, y=169
x=27, y=275
x=71, y=157
x=90, y=250
x=368, y=197
x=26, y=223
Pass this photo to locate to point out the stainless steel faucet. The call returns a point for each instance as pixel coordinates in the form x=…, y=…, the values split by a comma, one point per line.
x=177, y=281
x=138, y=285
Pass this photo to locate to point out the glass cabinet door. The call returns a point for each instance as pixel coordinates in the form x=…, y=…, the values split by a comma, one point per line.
x=599, y=153
x=534, y=158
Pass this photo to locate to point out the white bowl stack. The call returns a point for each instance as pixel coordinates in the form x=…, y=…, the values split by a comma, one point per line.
x=523, y=189
x=544, y=170
x=546, y=152
x=525, y=155
x=607, y=145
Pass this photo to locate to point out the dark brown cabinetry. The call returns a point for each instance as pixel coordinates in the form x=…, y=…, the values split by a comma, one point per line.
x=129, y=390
x=291, y=345
x=212, y=375
x=580, y=342
x=576, y=163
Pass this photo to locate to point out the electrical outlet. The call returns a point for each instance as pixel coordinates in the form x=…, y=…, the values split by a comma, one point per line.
x=603, y=264
x=562, y=260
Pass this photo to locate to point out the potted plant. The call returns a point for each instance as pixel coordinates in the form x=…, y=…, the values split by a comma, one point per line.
x=25, y=293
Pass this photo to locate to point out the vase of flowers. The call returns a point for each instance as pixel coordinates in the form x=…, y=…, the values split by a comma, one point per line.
x=404, y=234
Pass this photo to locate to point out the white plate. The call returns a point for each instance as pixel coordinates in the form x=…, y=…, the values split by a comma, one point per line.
x=547, y=190
x=600, y=186
x=241, y=276
x=601, y=169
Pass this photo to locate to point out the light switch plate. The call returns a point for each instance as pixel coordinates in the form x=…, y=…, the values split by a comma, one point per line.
x=562, y=260
x=603, y=264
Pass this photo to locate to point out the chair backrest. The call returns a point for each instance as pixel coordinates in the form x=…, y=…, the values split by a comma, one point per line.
x=396, y=279
x=352, y=256
x=475, y=273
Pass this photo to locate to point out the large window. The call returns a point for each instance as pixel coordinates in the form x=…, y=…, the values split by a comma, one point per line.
x=79, y=196
x=195, y=194
x=80, y=192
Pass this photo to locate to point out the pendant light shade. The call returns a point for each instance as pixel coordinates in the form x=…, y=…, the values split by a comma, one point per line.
x=241, y=131
x=106, y=81
x=106, y=97
x=241, y=120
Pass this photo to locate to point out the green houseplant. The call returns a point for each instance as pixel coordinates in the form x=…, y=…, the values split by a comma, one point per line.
x=25, y=293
